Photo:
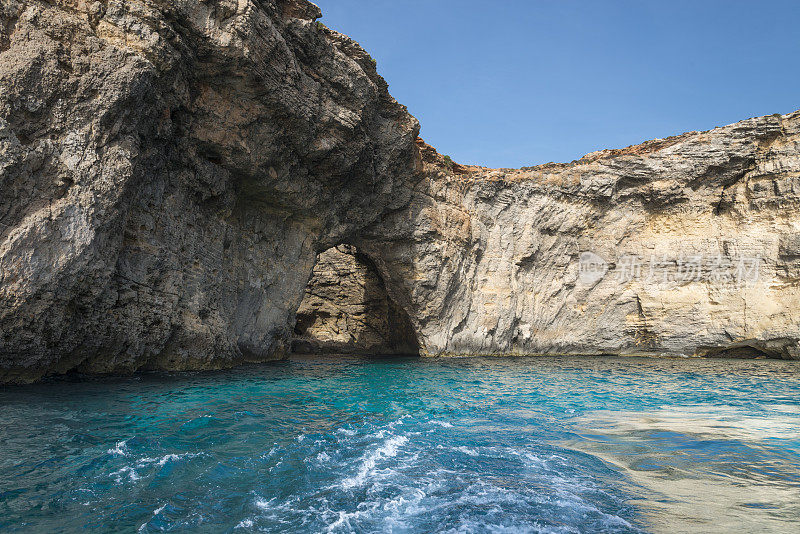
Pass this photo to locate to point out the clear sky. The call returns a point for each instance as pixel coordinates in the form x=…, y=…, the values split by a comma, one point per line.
x=509, y=83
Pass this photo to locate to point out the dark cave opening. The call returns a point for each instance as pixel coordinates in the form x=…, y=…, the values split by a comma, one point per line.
x=741, y=351
x=347, y=310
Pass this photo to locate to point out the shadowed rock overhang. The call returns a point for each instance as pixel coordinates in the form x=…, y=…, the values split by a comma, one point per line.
x=346, y=310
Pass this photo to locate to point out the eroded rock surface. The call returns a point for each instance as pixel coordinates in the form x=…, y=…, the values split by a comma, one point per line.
x=346, y=310
x=488, y=261
x=169, y=171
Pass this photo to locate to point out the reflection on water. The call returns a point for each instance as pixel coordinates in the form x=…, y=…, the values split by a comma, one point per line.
x=707, y=468
x=409, y=445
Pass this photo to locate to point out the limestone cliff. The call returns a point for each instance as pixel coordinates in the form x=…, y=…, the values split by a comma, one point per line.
x=489, y=261
x=347, y=310
x=170, y=170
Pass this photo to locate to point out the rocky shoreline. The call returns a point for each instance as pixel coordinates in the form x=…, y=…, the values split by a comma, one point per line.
x=171, y=170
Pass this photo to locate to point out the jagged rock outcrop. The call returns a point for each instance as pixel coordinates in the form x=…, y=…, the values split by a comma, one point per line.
x=346, y=310
x=170, y=169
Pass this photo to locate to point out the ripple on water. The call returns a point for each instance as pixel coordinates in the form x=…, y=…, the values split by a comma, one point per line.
x=469, y=445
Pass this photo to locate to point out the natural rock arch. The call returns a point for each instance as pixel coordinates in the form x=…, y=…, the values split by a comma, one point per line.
x=347, y=310
x=170, y=171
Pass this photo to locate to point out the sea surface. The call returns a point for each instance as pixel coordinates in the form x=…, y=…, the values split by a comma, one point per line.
x=339, y=444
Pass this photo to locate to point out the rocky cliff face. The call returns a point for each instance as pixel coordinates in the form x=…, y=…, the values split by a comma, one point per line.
x=347, y=310
x=171, y=169
x=680, y=246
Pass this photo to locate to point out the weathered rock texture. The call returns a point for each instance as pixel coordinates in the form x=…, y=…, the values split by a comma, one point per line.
x=170, y=169
x=487, y=261
x=346, y=310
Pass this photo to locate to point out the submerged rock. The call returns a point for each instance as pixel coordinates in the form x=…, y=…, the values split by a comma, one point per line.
x=170, y=171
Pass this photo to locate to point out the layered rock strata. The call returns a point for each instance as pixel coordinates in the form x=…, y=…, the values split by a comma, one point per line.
x=689, y=247
x=170, y=170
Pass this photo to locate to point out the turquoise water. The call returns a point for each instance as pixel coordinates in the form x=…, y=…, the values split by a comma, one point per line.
x=410, y=445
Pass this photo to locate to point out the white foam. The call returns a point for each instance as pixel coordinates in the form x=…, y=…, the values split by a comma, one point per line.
x=120, y=474
x=344, y=520
x=167, y=458
x=268, y=454
x=532, y=460
x=467, y=451
x=245, y=523
x=120, y=449
x=171, y=457
x=403, y=506
x=155, y=513
x=386, y=450
x=444, y=424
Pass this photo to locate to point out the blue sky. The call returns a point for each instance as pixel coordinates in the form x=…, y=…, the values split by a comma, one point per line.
x=508, y=83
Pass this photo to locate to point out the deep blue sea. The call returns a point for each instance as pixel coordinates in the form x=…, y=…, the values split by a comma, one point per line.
x=548, y=444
